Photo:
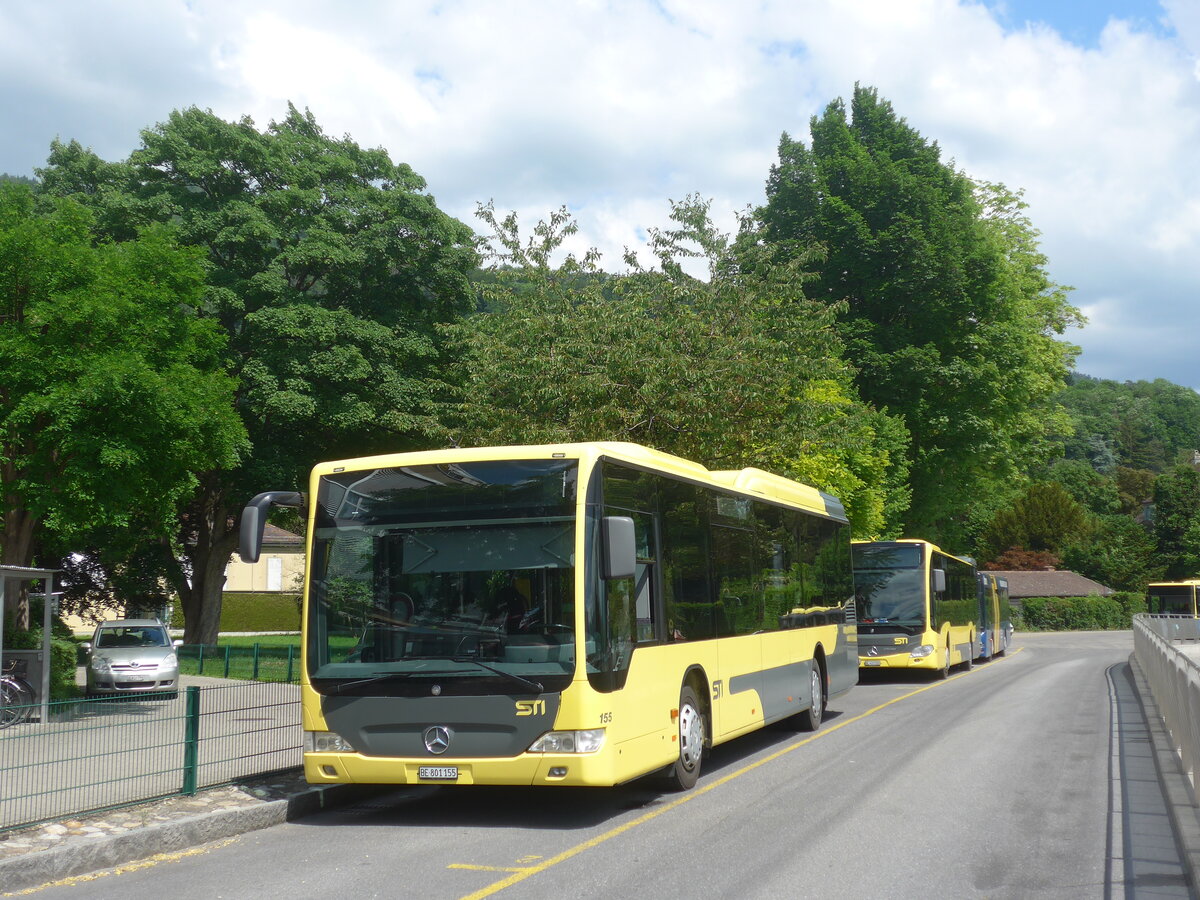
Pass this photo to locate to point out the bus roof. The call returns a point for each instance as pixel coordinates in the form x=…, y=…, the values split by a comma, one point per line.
x=745, y=481
x=929, y=544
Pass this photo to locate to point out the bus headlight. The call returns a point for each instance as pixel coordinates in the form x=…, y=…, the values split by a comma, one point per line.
x=588, y=741
x=923, y=651
x=326, y=742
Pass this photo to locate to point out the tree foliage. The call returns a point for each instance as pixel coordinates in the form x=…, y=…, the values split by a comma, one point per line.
x=1143, y=425
x=112, y=388
x=329, y=269
x=1044, y=517
x=734, y=371
x=1115, y=551
x=943, y=300
x=1177, y=522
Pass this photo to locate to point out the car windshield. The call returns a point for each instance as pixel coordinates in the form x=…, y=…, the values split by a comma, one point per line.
x=109, y=637
x=470, y=565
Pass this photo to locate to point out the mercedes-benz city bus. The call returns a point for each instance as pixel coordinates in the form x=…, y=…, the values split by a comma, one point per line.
x=575, y=614
x=916, y=606
x=994, y=620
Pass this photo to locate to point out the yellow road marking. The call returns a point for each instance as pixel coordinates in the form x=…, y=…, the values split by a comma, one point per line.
x=520, y=875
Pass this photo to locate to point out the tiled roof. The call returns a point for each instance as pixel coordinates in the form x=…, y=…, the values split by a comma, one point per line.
x=277, y=537
x=1057, y=583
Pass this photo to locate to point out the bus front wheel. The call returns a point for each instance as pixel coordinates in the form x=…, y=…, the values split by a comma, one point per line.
x=944, y=672
x=683, y=774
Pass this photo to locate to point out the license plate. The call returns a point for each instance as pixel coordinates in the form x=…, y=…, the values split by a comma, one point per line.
x=438, y=773
x=872, y=662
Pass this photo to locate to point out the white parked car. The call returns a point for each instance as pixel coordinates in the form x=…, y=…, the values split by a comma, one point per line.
x=132, y=656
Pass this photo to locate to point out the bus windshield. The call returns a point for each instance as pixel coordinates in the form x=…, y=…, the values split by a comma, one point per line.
x=1171, y=599
x=456, y=576
x=889, y=582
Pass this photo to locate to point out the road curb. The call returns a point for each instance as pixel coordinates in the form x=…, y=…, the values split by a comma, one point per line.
x=82, y=857
x=1177, y=787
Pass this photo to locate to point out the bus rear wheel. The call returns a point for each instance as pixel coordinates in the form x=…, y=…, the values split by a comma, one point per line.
x=944, y=671
x=685, y=771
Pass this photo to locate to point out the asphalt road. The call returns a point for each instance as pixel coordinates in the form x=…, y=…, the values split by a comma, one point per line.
x=1016, y=779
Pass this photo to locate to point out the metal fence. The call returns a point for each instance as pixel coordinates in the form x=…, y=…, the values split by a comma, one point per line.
x=1168, y=650
x=97, y=754
x=257, y=662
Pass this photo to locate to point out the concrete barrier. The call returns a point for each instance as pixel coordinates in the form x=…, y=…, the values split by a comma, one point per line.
x=1168, y=650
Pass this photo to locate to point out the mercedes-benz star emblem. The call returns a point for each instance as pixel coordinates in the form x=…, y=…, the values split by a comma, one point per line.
x=437, y=739
x=874, y=651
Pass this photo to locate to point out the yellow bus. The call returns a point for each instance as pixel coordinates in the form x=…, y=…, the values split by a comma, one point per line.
x=575, y=614
x=916, y=606
x=1172, y=598
x=994, y=622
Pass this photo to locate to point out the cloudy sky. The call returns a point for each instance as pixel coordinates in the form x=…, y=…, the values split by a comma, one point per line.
x=612, y=108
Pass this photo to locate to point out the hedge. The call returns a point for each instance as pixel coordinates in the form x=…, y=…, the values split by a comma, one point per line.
x=254, y=612
x=1112, y=613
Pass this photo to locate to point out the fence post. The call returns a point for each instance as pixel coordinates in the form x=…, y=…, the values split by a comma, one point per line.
x=227, y=649
x=289, y=674
x=255, y=675
x=191, y=741
x=201, y=672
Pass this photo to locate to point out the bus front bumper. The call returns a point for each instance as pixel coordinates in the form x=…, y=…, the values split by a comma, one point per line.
x=593, y=769
x=899, y=661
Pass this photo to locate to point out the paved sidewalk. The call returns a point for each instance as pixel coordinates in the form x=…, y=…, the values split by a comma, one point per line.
x=1157, y=786
x=46, y=853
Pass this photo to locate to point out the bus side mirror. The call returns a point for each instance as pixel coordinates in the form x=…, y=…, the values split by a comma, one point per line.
x=939, y=580
x=619, y=547
x=254, y=520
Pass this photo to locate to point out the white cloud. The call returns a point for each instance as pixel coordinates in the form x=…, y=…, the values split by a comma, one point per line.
x=614, y=107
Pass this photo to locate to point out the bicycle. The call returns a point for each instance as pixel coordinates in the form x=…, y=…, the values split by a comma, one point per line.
x=16, y=698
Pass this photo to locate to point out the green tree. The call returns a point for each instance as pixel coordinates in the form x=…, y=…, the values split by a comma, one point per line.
x=944, y=302
x=734, y=371
x=112, y=389
x=1177, y=522
x=1146, y=425
x=330, y=269
x=1044, y=517
x=1097, y=492
x=1116, y=551
x=1135, y=488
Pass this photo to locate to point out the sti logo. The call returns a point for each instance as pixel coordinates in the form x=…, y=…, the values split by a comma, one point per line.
x=531, y=707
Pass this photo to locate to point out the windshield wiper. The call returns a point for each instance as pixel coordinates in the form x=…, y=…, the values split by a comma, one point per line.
x=340, y=686
x=532, y=685
x=386, y=676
